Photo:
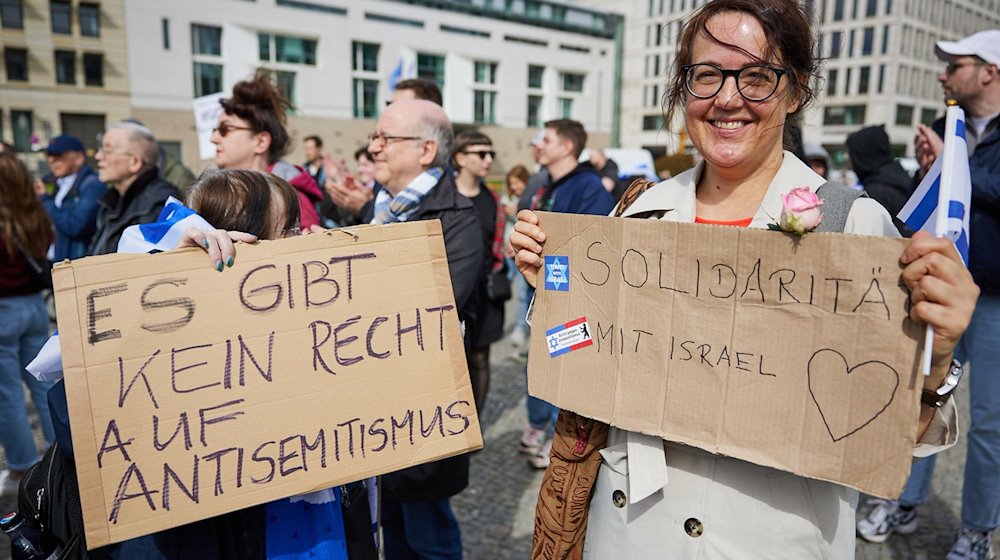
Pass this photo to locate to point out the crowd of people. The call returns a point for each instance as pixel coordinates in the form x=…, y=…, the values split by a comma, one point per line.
x=743, y=68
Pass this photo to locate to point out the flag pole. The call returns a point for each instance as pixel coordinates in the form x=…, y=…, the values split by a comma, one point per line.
x=944, y=198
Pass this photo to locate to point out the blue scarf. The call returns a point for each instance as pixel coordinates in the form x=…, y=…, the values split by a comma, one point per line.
x=390, y=209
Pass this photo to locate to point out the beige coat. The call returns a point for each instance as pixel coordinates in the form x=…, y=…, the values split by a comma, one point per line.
x=656, y=499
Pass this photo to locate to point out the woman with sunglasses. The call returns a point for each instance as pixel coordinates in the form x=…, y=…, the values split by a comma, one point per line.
x=252, y=134
x=742, y=68
x=472, y=157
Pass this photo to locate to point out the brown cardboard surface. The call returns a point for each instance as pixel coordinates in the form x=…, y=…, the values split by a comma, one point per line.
x=194, y=393
x=794, y=353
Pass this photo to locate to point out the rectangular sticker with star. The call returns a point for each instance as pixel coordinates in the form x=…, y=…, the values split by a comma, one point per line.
x=568, y=337
x=557, y=273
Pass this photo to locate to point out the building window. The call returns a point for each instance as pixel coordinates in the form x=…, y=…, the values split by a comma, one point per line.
x=652, y=122
x=365, y=98
x=831, y=82
x=870, y=8
x=486, y=72
x=431, y=67
x=295, y=50
x=21, y=123
x=838, y=10
x=165, y=31
x=864, y=76
x=65, y=67
x=535, y=75
x=62, y=17
x=207, y=78
x=844, y=114
x=928, y=116
x=279, y=48
x=286, y=84
x=484, y=107
x=534, y=111
x=885, y=39
x=365, y=57
x=90, y=20
x=574, y=82
x=565, y=108
x=904, y=115
x=835, y=44
x=93, y=69
x=868, y=41
x=881, y=77
x=206, y=40
x=12, y=14
x=16, y=62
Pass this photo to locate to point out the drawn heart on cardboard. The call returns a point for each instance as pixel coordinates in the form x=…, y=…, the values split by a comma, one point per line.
x=849, y=398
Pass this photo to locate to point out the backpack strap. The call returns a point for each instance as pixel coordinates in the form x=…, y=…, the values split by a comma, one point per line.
x=837, y=202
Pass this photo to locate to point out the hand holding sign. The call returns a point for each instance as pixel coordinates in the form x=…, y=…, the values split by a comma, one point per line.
x=526, y=240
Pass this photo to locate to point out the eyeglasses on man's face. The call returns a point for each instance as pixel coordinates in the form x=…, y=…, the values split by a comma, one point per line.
x=951, y=67
x=757, y=82
x=225, y=128
x=381, y=139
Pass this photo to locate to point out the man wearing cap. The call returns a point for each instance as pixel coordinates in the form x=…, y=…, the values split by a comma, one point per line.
x=972, y=78
x=127, y=162
x=72, y=204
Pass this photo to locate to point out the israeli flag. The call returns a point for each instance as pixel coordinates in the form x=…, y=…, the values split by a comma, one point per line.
x=163, y=234
x=940, y=203
x=405, y=69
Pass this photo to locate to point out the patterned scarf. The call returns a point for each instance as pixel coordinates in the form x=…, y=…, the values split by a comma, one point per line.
x=389, y=209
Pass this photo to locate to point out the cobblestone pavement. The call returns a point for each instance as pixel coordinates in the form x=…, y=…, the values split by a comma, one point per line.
x=497, y=510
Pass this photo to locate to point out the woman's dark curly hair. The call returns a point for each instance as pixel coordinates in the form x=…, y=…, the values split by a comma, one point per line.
x=259, y=102
x=789, y=42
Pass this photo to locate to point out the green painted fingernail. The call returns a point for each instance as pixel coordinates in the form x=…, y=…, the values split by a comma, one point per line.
x=229, y=262
x=218, y=266
x=205, y=243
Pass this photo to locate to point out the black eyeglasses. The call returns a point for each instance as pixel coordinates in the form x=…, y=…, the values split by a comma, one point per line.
x=381, y=139
x=482, y=153
x=755, y=83
x=225, y=128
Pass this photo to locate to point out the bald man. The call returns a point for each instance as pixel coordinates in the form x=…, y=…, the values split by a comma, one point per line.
x=126, y=163
x=411, y=146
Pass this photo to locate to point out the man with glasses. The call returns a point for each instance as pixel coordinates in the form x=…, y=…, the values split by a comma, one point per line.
x=972, y=78
x=127, y=161
x=410, y=147
x=72, y=201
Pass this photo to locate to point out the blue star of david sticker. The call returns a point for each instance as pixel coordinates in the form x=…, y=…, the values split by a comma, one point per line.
x=557, y=273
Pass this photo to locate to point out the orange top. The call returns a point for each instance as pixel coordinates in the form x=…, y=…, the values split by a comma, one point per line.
x=745, y=222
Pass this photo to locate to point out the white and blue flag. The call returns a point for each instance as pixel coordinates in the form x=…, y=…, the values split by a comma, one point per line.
x=161, y=235
x=948, y=187
x=165, y=232
x=405, y=69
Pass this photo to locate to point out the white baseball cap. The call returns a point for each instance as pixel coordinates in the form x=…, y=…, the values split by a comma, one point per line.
x=985, y=45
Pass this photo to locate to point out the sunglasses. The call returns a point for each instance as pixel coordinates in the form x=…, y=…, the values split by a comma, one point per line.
x=482, y=153
x=225, y=128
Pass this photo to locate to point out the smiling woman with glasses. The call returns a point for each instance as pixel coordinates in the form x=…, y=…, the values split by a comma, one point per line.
x=743, y=68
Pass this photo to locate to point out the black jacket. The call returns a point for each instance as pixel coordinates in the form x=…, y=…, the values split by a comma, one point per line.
x=141, y=204
x=878, y=171
x=464, y=245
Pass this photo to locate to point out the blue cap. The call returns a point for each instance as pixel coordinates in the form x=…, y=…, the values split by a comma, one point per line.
x=64, y=143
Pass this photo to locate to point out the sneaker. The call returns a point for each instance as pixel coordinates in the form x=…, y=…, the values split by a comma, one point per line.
x=542, y=459
x=8, y=484
x=972, y=545
x=531, y=440
x=885, y=519
x=517, y=338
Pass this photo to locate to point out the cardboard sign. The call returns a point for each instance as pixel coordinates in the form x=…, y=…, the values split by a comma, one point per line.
x=312, y=362
x=206, y=115
x=794, y=353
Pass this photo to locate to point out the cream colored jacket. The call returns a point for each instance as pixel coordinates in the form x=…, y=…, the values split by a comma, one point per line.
x=656, y=499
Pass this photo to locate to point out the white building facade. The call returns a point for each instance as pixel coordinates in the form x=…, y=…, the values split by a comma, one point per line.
x=503, y=66
x=878, y=65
